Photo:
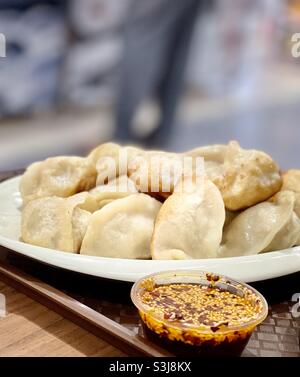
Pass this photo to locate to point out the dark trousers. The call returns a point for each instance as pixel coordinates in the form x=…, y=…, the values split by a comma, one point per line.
x=157, y=40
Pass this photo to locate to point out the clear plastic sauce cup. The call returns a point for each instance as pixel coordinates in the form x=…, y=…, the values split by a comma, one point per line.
x=197, y=313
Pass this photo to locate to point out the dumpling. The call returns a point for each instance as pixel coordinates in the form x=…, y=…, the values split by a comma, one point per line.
x=111, y=161
x=122, y=184
x=104, y=150
x=189, y=224
x=214, y=158
x=156, y=172
x=287, y=237
x=244, y=177
x=291, y=181
x=122, y=229
x=152, y=172
x=249, y=177
x=57, y=176
x=80, y=221
x=57, y=223
x=290, y=235
x=258, y=228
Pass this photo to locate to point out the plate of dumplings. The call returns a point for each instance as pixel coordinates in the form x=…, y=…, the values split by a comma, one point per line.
x=121, y=213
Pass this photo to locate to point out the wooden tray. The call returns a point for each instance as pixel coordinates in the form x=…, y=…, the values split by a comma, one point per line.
x=103, y=307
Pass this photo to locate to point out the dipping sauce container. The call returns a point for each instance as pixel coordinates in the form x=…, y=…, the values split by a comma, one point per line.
x=197, y=313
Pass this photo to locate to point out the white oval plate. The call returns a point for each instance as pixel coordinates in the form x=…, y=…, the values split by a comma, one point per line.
x=247, y=268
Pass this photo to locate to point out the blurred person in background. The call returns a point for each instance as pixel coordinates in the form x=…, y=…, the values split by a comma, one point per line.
x=157, y=38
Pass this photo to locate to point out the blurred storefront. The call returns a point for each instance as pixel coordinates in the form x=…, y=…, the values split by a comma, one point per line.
x=63, y=59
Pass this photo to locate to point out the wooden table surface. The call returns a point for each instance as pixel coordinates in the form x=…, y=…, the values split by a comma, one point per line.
x=31, y=329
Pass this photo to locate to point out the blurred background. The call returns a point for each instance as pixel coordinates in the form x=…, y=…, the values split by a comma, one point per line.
x=171, y=74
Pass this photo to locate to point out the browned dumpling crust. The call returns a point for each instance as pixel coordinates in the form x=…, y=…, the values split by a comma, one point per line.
x=244, y=177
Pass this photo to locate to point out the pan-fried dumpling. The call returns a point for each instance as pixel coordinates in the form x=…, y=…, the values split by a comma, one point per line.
x=111, y=161
x=244, y=177
x=287, y=237
x=213, y=156
x=104, y=150
x=122, y=229
x=80, y=221
x=256, y=229
x=57, y=176
x=291, y=182
x=156, y=172
x=189, y=224
x=249, y=177
x=57, y=223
